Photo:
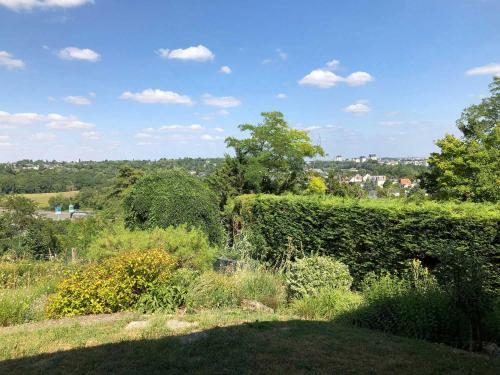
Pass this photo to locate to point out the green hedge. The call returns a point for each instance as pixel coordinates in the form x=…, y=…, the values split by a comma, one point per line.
x=368, y=235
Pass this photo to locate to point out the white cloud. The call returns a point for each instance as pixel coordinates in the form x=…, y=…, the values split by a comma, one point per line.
x=157, y=96
x=212, y=115
x=267, y=61
x=91, y=135
x=43, y=4
x=74, y=53
x=78, y=100
x=7, y=60
x=225, y=69
x=143, y=135
x=4, y=138
x=321, y=78
x=221, y=101
x=490, y=69
x=358, y=107
x=219, y=130
x=43, y=137
x=325, y=78
x=5, y=144
x=391, y=123
x=92, y=94
x=208, y=137
x=358, y=78
x=333, y=64
x=52, y=120
x=194, y=127
x=198, y=53
x=281, y=96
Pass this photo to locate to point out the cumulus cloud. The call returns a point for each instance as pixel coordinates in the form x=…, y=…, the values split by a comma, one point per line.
x=324, y=77
x=7, y=60
x=282, y=54
x=74, y=53
x=42, y=4
x=193, y=127
x=157, y=96
x=281, y=96
x=52, y=120
x=225, y=69
x=358, y=107
x=212, y=115
x=208, y=137
x=221, y=101
x=490, y=69
x=78, y=100
x=198, y=53
x=321, y=78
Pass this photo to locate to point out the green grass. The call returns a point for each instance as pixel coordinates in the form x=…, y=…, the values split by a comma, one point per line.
x=42, y=199
x=232, y=342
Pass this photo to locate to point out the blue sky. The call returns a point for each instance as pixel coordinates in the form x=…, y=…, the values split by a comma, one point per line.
x=123, y=79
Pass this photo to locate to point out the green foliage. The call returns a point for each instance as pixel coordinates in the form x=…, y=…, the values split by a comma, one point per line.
x=173, y=198
x=114, y=285
x=213, y=290
x=316, y=185
x=307, y=276
x=218, y=290
x=271, y=160
x=62, y=201
x=170, y=295
x=24, y=304
x=190, y=247
x=327, y=304
x=339, y=189
x=370, y=235
x=469, y=168
x=24, y=273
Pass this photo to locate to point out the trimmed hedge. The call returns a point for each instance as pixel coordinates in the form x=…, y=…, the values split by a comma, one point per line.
x=369, y=235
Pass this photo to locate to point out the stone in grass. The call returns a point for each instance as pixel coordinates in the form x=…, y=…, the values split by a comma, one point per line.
x=137, y=324
x=255, y=305
x=175, y=324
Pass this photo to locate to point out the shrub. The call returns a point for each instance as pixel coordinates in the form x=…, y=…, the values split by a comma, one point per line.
x=214, y=290
x=173, y=198
x=24, y=304
x=262, y=286
x=369, y=235
x=308, y=275
x=113, y=285
x=190, y=247
x=25, y=273
x=327, y=304
x=169, y=296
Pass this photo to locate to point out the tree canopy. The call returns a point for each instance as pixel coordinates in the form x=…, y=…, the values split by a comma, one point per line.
x=468, y=168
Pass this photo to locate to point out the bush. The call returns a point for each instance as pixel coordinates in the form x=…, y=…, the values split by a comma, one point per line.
x=190, y=247
x=169, y=296
x=173, y=198
x=214, y=290
x=263, y=286
x=24, y=304
x=24, y=273
x=369, y=235
x=113, y=285
x=308, y=275
x=327, y=304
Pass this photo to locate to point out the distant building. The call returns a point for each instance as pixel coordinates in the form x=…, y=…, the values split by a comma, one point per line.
x=379, y=180
x=339, y=158
x=356, y=179
x=405, y=182
x=373, y=157
x=362, y=159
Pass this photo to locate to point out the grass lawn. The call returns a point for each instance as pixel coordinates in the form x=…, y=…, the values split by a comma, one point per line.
x=224, y=342
x=42, y=199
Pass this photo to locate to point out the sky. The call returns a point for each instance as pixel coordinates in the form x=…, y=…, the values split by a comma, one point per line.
x=125, y=79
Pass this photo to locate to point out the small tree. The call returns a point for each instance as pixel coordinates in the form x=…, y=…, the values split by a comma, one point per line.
x=316, y=185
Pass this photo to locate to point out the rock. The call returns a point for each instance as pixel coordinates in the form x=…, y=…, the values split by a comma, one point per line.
x=138, y=324
x=192, y=337
x=175, y=324
x=492, y=349
x=255, y=305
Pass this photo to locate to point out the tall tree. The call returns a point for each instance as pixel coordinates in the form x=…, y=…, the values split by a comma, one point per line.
x=468, y=168
x=272, y=159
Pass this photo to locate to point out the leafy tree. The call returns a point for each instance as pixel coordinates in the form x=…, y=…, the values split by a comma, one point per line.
x=272, y=159
x=469, y=168
x=316, y=185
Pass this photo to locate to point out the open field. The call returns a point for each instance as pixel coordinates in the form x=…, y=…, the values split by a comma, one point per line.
x=222, y=342
x=42, y=199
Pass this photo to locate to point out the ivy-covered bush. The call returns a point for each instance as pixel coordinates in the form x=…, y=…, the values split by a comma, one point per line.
x=307, y=276
x=370, y=235
x=113, y=285
x=173, y=198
